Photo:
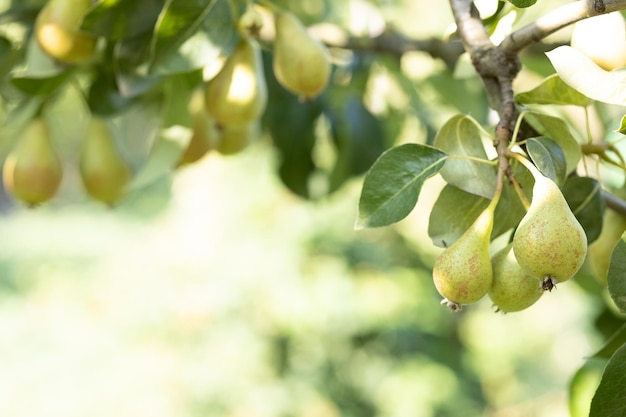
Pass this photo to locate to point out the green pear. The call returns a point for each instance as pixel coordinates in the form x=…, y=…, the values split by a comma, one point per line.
x=238, y=93
x=462, y=273
x=205, y=134
x=512, y=288
x=301, y=63
x=549, y=243
x=250, y=22
x=599, y=251
x=235, y=138
x=32, y=171
x=103, y=171
x=57, y=30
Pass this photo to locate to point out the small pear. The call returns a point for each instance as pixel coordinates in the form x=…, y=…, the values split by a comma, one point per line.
x=512, y=288
x=599, y=253
x=235, y=138
x=301, y=63
x=103, y=171
x=462, y=273
x=238, y=93
x=205, y=134
x=602, y=38
x=250, y=22
x=32, y=172
x=549, y=243
x=58, y=33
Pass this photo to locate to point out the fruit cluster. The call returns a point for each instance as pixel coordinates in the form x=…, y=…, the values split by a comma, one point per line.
x=225, y=110
x=548, y=247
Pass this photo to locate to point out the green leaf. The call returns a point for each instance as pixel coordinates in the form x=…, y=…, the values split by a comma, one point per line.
x=609, y=398
x=129, y=61
x=553, y=90
x=460, y=135
x=584, y=198
x=122, y=19
x=615, y=342
x=392, y=185
x=522, y=3
x=548, y=157
x=622, y=126
x=192, y=34
x=616, y=274
x=582, y=74
x=583, y=385
x=557, y=130
x=41, y=86
x=104, y=98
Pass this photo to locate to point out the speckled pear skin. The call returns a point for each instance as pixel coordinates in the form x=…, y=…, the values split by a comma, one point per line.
x=549, y=241
x=512, y=288
x=462, y=273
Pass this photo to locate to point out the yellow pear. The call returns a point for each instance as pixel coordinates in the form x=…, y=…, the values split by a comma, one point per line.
x=58, y=34
x=235, y=138
x=250, y=22
x=549, y=243
x=301, y=63
x=603, y=39
x=238, y=93
x=512, y=288
x=32, y=172
x=599, y=253
x=462, y=273
x=205, y=134
x=103, y=171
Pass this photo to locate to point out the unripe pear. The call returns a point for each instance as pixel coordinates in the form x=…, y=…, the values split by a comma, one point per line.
x=549, y=243
x=238, y=93
x=301, y=63
x=103, y=171
x=205, y=135
x=235, y=138
x=58, y=34
x=32, y=172
x=250, y=22
x=599, y=253
x=603, y=39
x=512, y=288
x=462, y=273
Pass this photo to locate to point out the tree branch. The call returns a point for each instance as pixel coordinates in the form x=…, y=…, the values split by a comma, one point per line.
x=558, y=19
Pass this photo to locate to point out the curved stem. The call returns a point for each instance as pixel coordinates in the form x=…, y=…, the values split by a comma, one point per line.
x=473, y=158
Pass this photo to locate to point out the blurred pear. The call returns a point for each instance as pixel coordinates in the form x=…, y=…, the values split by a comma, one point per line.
x=205, y=135
x=235, y=138
x=599, y=254
x=602, y=38
x=32, y=171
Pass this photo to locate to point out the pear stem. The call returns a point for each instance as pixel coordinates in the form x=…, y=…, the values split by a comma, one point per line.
x=473, y=158
x=527, y=164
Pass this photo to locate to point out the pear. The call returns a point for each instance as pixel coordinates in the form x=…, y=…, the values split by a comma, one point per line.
x=205, y=134
x=103, y=172
x=462, y=273
x=32, y=171
x=235, y=138
x=238, y=93
x=250, y=22
x=512, y=288
x=549, y=243
x=57, y=30
x=602, y=38
x=599, y=251
x=301, y=63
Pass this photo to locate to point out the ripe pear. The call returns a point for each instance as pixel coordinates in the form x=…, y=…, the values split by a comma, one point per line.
x=301, y=63
x=512, y=288
x=32, y=171
x=235, y=138
x=602, y=38
x=58, y=34
x=462, y=273
x=599, y=253
x=549, y=243
x=238, y=93
x=103, y=171
x=205, y=134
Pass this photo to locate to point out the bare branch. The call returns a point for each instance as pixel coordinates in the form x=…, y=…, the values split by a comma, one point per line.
x=558, y=19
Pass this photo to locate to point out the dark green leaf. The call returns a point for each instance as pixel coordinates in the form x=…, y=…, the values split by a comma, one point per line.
x=123, y=19
x=609, y=398
x=104, y=97
x=616, y=274
x=548, y=157
x=557, y=130
x=522, y=3
x=461, y=136
x=41, y=86
x=615, y=342
x=553, y=90
x=584, y=198
x=583, y=385
x=393, y=183
x=129, y=59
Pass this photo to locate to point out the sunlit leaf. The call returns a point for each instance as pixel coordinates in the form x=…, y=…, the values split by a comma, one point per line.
x=583, y=386
x=609, y=398
x=622, y=126
x=548, y=157
x=392, y=185
x=615, y=342
x=553, y=90
x=584, y=198
x=556, y=129
x=581, y=73
x=123, y=19
x=616, y=274
x=461, y=136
